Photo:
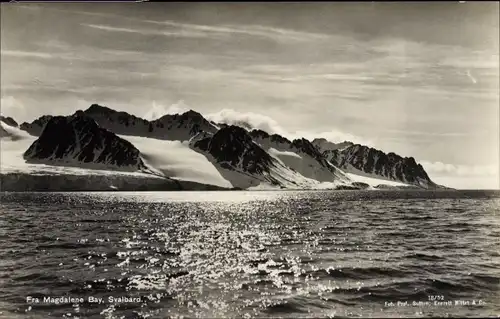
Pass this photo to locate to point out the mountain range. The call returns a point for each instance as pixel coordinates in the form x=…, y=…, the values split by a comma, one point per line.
x=187, y=149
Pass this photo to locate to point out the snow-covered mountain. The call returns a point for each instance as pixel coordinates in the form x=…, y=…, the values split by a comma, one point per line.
x=182, y=127
x=17, y=174
x=9, y=121
x=118, y=122
x=245, y=163
x=233, y=147
x=79, y=141
x=9, y=129
x=322, y=144
x=300, y=155
x=241, y=124
x=176, y=127
x=370, y=162
x=187, y=148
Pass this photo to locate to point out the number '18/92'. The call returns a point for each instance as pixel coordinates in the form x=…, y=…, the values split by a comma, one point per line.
x=437, y=298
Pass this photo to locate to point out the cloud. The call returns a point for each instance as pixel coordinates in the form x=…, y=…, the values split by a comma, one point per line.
x=463, y=176
x=440, y=168
x=10, y=106
x=468, y=182
x=178, y=108
x=155, y=112
x=159, y=110
x=278, y=34
x=173, y=33
x=271, y=126
x=57, y=54
x=24, y=54
x=453, y=134
x=178, y=29
x=335, y=136
x=250, y=119
x=199, y=30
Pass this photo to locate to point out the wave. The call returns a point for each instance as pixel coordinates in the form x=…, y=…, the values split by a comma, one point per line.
x=285, y=308
x=205, y=259
x=364, y=273
x=422, y=256
x=38, y=276
x=63, y=245
x=420, y=289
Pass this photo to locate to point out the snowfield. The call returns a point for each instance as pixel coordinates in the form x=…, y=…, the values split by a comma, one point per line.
x=166, y=159
x=283, y=154
x=373, y=180
x=17, y=175
x=13, y=146
x=301, y=163
x=177, y=160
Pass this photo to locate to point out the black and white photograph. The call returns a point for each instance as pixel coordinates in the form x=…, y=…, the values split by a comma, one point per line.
x=249, y=159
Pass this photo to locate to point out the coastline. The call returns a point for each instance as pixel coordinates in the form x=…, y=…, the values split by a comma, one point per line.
x=22, y=182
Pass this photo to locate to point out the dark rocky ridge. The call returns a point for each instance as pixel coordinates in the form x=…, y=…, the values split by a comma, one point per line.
x=104, y=116
x=184, y=126
x=233, y=147
x=77, y=140
x=305, y=146
x=190, y=124
x=8, y=120
x=241, y=124
x=35, y=128
x=322, y=144
x=301, y=145
x=168, y=127
x=257, y=133
x=372, y=161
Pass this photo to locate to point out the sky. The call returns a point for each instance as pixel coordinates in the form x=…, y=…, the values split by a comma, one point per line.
x=419, y=79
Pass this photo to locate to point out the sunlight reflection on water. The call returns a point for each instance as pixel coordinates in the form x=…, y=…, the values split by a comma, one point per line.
x=250, y=254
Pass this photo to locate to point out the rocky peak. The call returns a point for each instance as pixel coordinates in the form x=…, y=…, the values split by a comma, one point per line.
x=323, y=145
x=307, y=147
x=375, y=162
x=36, y=127
x=9, y=121
x=320, y=140
x=234, y=148
x=241, y=124
x=79, y=113
x=233, y=134
x=189, y=116
x=77, y=140
x=192, y=114
x=304, y=144
x=99, y=109
x=257, y=133
x=280, y=139
x=275, y=138
x=182, y=126
x=105, y=116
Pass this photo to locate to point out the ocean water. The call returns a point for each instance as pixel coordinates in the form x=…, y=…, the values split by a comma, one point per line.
x=250, y=254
